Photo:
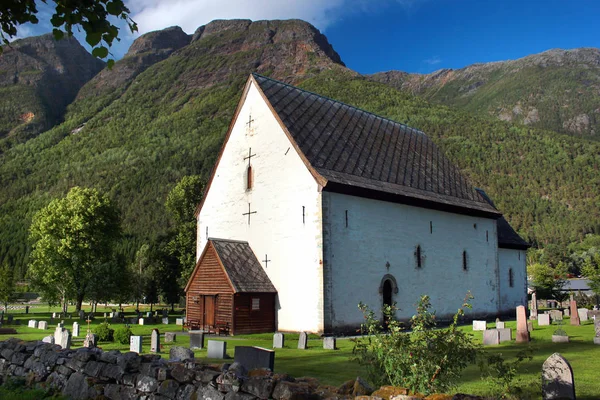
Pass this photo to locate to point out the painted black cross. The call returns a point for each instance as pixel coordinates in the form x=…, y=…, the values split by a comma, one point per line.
x=250, y=121
x=266, y=261
x=250, y=155
x=249, y=213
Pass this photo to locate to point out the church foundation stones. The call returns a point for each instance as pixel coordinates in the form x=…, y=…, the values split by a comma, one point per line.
x=178, y=353
x=278, y=340
x=557, y=379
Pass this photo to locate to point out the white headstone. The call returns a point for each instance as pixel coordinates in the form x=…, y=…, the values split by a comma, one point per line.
x=65, y=339
x=543, y=319
x=499, y=325
x=58, y=334
x=179, y=321
x=171, y=337
x=329, y=343
x=278, y=340
x=43, y=325
x=148, y=314
x=32, y=323
x=75, y=329
x=141, y=321
x=155, y=341
x=135, y=344
x=491, y=337
x=302, y=341
x=165, y=321
x=217, y=349
x=48, y=339
x=583, y=314
x=479, y=325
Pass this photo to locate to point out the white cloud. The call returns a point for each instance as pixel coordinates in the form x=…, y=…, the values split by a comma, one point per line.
x=433, y=60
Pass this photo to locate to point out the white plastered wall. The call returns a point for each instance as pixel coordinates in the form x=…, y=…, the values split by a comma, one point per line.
x=379, y=233
x=510, y=297
x=282, y=187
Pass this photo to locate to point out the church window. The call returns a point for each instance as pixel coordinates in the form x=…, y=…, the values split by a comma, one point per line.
x=418, y=257
x=487, y=239
x=464, y=260
x=346, y=218
x=431, y=227
x=474, y=226
x=249, y=178
x=511, y=279
x=206, y=232
x=519, y=255
x=255, y=304
x=303, y=217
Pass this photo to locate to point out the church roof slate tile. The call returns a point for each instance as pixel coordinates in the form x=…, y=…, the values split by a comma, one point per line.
x=243, y=268
x=353, y=148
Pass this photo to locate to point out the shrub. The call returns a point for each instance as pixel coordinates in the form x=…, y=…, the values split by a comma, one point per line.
x=123, y=334
x=502, y=374
x=104, y=332
x=428, y=360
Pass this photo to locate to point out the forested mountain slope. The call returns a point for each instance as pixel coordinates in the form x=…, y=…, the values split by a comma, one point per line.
x=136, y=134
x=39, y=77
x=557, y=89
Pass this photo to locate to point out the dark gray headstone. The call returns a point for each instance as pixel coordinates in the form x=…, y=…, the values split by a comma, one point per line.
x=557, y=378
x=196, y=339
x=278, y=340
x=254, y=357
x=217, y=349
x=155, y=341
x=505, y=334
x=329, y=343
x=171, y=337
x=302, y=341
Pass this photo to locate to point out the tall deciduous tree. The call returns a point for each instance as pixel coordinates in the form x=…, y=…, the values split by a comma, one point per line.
x=181, y=204
x=91, y=15
x=547, y=281
x=72, y=238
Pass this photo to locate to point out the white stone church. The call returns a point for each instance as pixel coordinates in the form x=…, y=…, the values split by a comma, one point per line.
x=341, y=206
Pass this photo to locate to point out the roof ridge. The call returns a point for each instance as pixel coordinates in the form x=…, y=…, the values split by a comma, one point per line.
x=340, y=102
x=213, y=239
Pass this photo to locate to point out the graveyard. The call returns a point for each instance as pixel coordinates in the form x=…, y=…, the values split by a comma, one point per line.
x=334, y=367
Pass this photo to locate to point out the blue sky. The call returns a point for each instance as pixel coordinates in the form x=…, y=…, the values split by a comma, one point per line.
x=408, y=35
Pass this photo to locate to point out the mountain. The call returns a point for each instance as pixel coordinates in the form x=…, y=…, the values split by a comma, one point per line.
x=39, y=77
x=161, y=113
x=557, y=89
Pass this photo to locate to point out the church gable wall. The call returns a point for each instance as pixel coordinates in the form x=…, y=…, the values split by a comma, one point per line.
x=365, y=240
x=515, y=295
x=284, y=227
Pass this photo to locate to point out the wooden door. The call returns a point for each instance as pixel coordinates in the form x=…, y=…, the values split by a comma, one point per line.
x=209, y=310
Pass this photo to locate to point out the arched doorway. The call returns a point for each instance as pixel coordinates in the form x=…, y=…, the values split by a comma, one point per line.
x=387, y=293
x=387, y=289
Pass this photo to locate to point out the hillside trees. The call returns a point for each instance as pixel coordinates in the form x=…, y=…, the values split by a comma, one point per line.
x=7, y=285
x=73, y=240
x=92, y=16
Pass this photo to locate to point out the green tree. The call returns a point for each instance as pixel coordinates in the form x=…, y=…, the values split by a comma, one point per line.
x=91, y=15
x=547, y=281
x=591, y=270
x=181, y=204
x=72, y=238
x=7, y=285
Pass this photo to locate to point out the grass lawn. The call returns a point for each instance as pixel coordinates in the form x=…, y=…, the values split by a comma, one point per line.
x=334, y=367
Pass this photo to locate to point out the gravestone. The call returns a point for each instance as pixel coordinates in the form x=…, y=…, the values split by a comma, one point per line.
x=165, y=321
x=32, y=323
x=165, y=313
x=81, y=314
x=543, y=319
x=148, y=314
x=303, y=341
x=583, y=314
x=329, y=343
x=597, y=331
x=196, y=339
x=75, y=329
x=574, y=313
x=91, y=340
x=65, y=339
x=134, y=320
x=135, y=344
x=505, y=334
x=58, y=334
x=533, y=312
x=556, y=315
x=155, y=341
x=111, y=315
x=557, y=379
x=594, y=314
x=141, y=321
x=178, y=353
x=53, y=315
x=255, y=357
x=499, y=325
x=491, y=337
x=479, y=325
x=48, y=339
x=566, y=312
x=217, y=349
x=278, y=340
x=10, y=318
x=171, y=337
x=43, y=325
x=529, y=326
x=179, y=321
x=522, y=331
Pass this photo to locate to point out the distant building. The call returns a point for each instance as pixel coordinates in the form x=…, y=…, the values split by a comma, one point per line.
x=334, y=206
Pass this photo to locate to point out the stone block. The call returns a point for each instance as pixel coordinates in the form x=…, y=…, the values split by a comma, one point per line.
x=543, y=319
x=491, y=337
x=583, y=314
x=278, y=340
x=505, y=334
x=560, y=339
x=43, y=325
x=329, y=343
x=178, y=353
x=135, y=344
x=32, y=323
x=179, y=321
x=217, y=349
x=254, y=357
x=479, y=325
x=75, y=329
x=303, y=341
x=155, y=341
x=557, y=379
x=499, y=325
x=170, y=337
x=196, y=340
x=141, y=321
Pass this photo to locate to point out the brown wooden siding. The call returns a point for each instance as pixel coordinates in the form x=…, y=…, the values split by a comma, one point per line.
x=210, y=280
x=258, y=321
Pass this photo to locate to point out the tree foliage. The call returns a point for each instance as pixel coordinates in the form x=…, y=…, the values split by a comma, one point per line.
x=427, y=360
x=7, y=284
x=93, y=16
x=73, y=239
x=548, y=281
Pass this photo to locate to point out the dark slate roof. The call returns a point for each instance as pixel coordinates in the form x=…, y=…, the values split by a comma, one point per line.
x=355, y=149
x=507, y=237
x=244, y=270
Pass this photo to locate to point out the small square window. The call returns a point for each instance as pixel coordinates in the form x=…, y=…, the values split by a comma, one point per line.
x=255, y=304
